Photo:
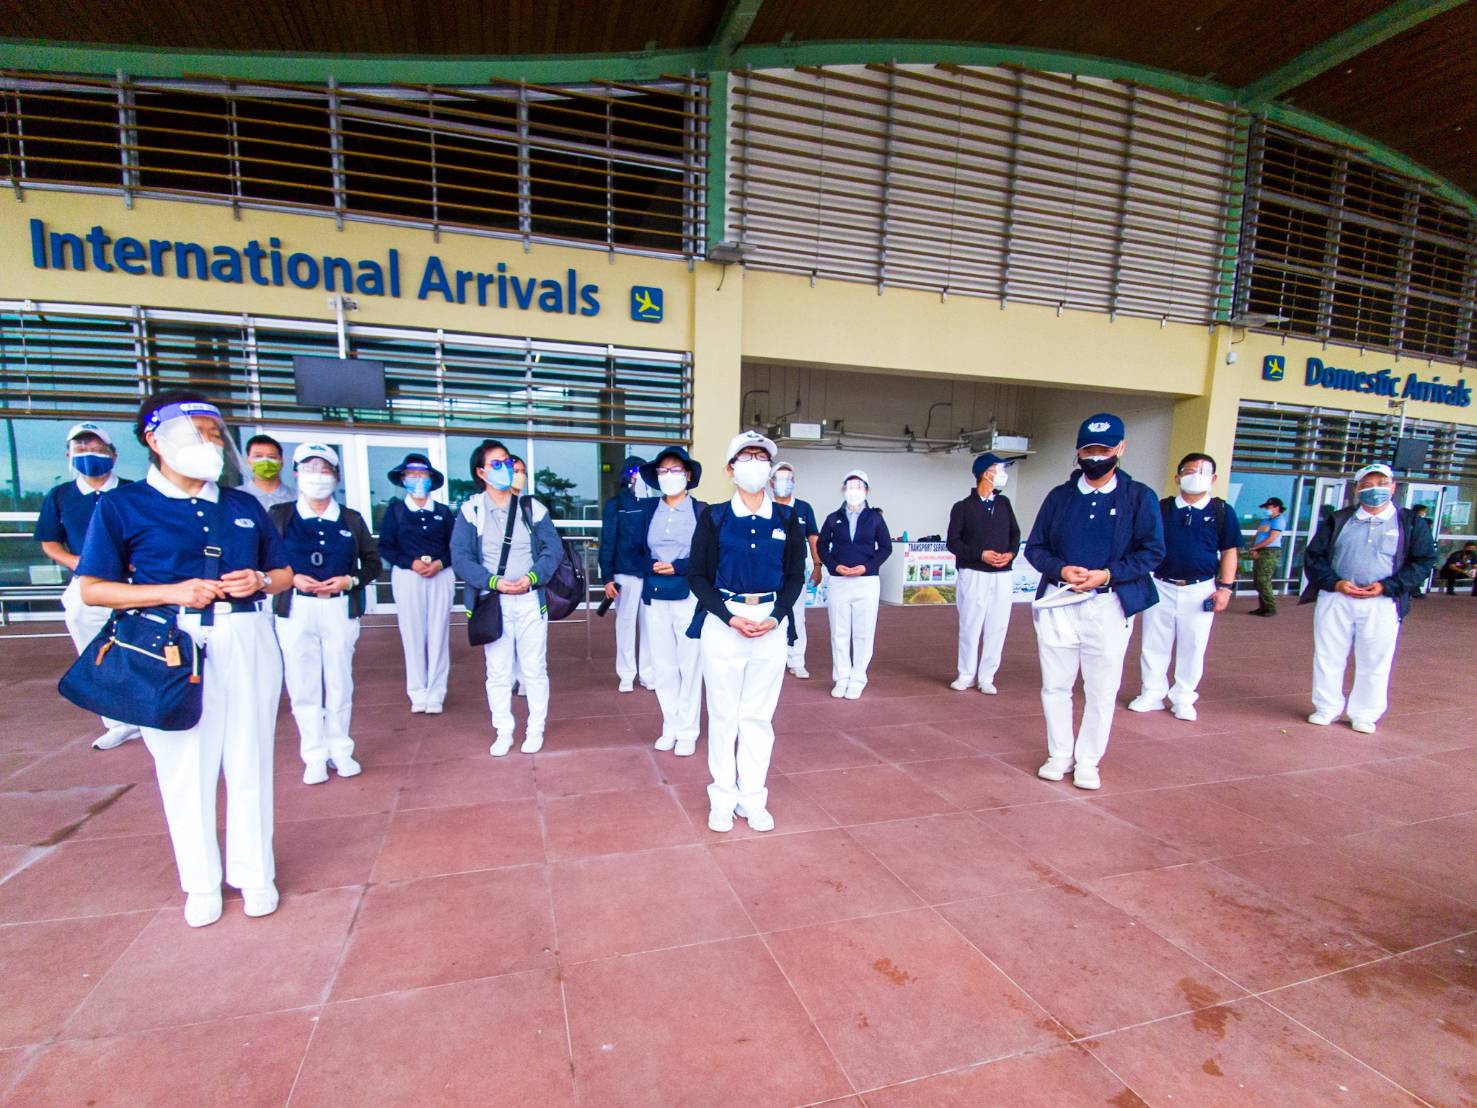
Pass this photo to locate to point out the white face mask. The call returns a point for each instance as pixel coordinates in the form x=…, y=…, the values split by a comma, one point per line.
x=671, y=483
x=201, y=461
x=1000, y=477
x=856, y=495
x=784, y=485
x=1196, y=483
x=317, y=486
x=751, y=474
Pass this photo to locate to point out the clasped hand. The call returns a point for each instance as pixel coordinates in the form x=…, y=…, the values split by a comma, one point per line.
x=1360, y=592
x=1083, y=580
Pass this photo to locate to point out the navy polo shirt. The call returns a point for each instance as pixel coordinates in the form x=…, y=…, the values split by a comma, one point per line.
x=320, y=546
x=66, y=512
x=1089, y=530
x=1192, y=541
x=406, y=534
x=153, y=533
x=806, y=515
x=751, y=549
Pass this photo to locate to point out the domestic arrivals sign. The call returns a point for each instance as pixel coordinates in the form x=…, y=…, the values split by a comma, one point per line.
x=273, y=265
x=1384, y=382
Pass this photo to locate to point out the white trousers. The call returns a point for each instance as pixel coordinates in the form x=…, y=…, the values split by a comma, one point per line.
x=1178, y=625
x=1091, y=636
x=676, y=667
x=743, y=677
x=795, y=654
x=984, y=601
x=83, y=622
x=523, y=646
x=242, y=687
x=423, y=610
x=852, y=610
x=318, y=639
x=631, y=654
x=1370, y=628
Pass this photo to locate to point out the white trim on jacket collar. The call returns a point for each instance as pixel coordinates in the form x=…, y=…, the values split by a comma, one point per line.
x=305, y=512
x=87, y=490
x=165, y=487
x=1363, y=514
x=1087, y=490
x=740, y=509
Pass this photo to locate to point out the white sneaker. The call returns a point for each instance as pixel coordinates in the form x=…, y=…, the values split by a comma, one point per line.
x=315, y=773
x=801, y=672
x=116, y=736
x=518, y=690
x=686, y=748
x=1053, y=769
x=499, y=748
x=665, y=743
x=759, y=819
x=719, y=821
x=260, y=902
x=1086, y=777
x=434, y=709
x=854, y=692
x=626, y=686
x=1322, y=719
x=961, y=684
x=988, y=688
x=346, y=766
x=1185, y=712
x=533, y=744
x=1146, y=704
x=202, y=909
x=1363, y=726
x=838, y=691
x=648, y=688
x=416, y=709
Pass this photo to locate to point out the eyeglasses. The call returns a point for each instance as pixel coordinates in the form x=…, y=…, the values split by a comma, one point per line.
x=671, y=469
x=500, y=463
x=754, y=455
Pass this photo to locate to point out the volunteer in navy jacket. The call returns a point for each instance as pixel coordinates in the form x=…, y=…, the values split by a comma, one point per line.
x=1202, y=539
x=1097, y=535
x=782, y=486
x=676, y=661
x=1363, y=565
x=623, y=570
x=415, y=541
x=155, y=544
x=335, y=558
x=747, y=569
x=535, y=553
x=853, y=545
x=61, y=528
x=983, y=536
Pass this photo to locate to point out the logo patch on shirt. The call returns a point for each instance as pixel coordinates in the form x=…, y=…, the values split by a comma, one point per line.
x=347, y=534
x=777, y=534
x=246, y=523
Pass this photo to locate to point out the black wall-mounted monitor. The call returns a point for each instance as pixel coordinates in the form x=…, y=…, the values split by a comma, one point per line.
x=1410, y=455
x=338, y=382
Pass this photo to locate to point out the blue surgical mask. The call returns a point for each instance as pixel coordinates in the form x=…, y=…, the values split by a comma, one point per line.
x=93, y=465
x=418, y=487
x=1265, y=513
x=1376, y=496
x=500, y=475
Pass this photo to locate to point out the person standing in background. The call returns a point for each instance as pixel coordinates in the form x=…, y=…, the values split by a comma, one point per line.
x=415, y=541
x=1460, y=567
x=264, y=468
x=782, y=486
x=983, y=536
x=622, y=571
x=1266, y=554
x=853, y=545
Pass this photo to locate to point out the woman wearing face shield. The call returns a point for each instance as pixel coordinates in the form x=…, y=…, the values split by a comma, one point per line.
x=61, y=528
x=335, y=557
x=415, y=539
x=180, y=540
x=854, y=544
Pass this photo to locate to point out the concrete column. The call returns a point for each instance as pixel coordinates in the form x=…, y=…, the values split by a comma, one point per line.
x=1206, y=423
x=717, y=344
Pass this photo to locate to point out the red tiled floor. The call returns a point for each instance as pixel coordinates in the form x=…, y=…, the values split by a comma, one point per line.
x=174, y=974
x=952, y=857
x=805, y=751
x=440, y=929
x=230, y=1063
x=1064, y=1077
x=1239, y=1056
x=978, y=782
x=625, y=903
x=94, y=878
x=1284, y=804
x=374, y=790
x=79, y=766
x=691, y=1026
x=903, y=996
x=478, y=780
x=868, y=794
x=1437, y=853
x=793, y=809
x=45, y=817
x=498, y=1041
x=577, y=772
x=909, y=742
x=1455, y=960
x=793, y=880
x=1081, y=840
x=138, y=811
x=613, y=823
x=1413, y=1026
x=428, y=841
x=327, y=853
x=1195, y=824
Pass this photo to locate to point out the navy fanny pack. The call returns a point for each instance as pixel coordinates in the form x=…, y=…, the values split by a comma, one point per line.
x=141, y=669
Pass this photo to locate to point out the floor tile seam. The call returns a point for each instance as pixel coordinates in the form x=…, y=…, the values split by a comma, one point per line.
x=1389, y=956
x=1419, y=882
x=133, y=1030
x=574, y=963
x=343, y=951
x=302, y=1062
x=104, y=975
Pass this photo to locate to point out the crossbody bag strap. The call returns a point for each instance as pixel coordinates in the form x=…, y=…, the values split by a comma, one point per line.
x=502, y=560
x=214, y=516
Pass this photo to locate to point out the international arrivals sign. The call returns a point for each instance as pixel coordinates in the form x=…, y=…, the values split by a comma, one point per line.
x=273, y=265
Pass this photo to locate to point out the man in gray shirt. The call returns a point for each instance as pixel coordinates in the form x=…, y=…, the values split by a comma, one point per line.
x=264, y=472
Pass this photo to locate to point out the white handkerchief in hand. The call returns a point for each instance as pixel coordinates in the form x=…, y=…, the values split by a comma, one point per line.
x=1060, y=596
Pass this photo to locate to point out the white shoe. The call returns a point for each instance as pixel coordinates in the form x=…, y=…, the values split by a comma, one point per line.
x=260, y=902
x=626, y=686
x=1363, y=726
x=686, y=748
x=1053, y=770
x=648, y=688
x=346, y=766
x=1322, y=719
x=854, y=692
x=434, y=709
x=801, y=672
x=202, y=909
x=499, y=748
x=533, y=744
x=116, y=736
x=838, y=691
x=666, y=742
x=416, y=709
x=518, y=691
x=719, y=821
x=988, y=688
x=1086, y=777
x=961, y=684
x=1146, y=704
x=759, y=819
x=315, y=773
x=1185, y=712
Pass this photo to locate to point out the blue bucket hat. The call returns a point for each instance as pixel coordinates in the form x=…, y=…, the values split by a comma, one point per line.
x=397, y=475
x=648, y=469
x=1103, y=429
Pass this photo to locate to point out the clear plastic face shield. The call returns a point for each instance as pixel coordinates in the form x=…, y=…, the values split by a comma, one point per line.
x=90, y=456
x=855, y=492
x=192, y=440
x=316, y=478
x=782, y=482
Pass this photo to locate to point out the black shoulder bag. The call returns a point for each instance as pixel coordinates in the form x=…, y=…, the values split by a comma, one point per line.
x=485, y=624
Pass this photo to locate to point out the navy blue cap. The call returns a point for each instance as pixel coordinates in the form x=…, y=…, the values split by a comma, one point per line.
x=1103, y=429
x=985, y=461
x=648, y=469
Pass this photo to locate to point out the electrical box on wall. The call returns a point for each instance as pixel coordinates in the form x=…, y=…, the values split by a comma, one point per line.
x=802, y=432
x=1004, y=445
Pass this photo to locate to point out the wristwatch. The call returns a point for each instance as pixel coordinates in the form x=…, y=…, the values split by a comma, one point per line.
x=266, y=581
x=1224, y=586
